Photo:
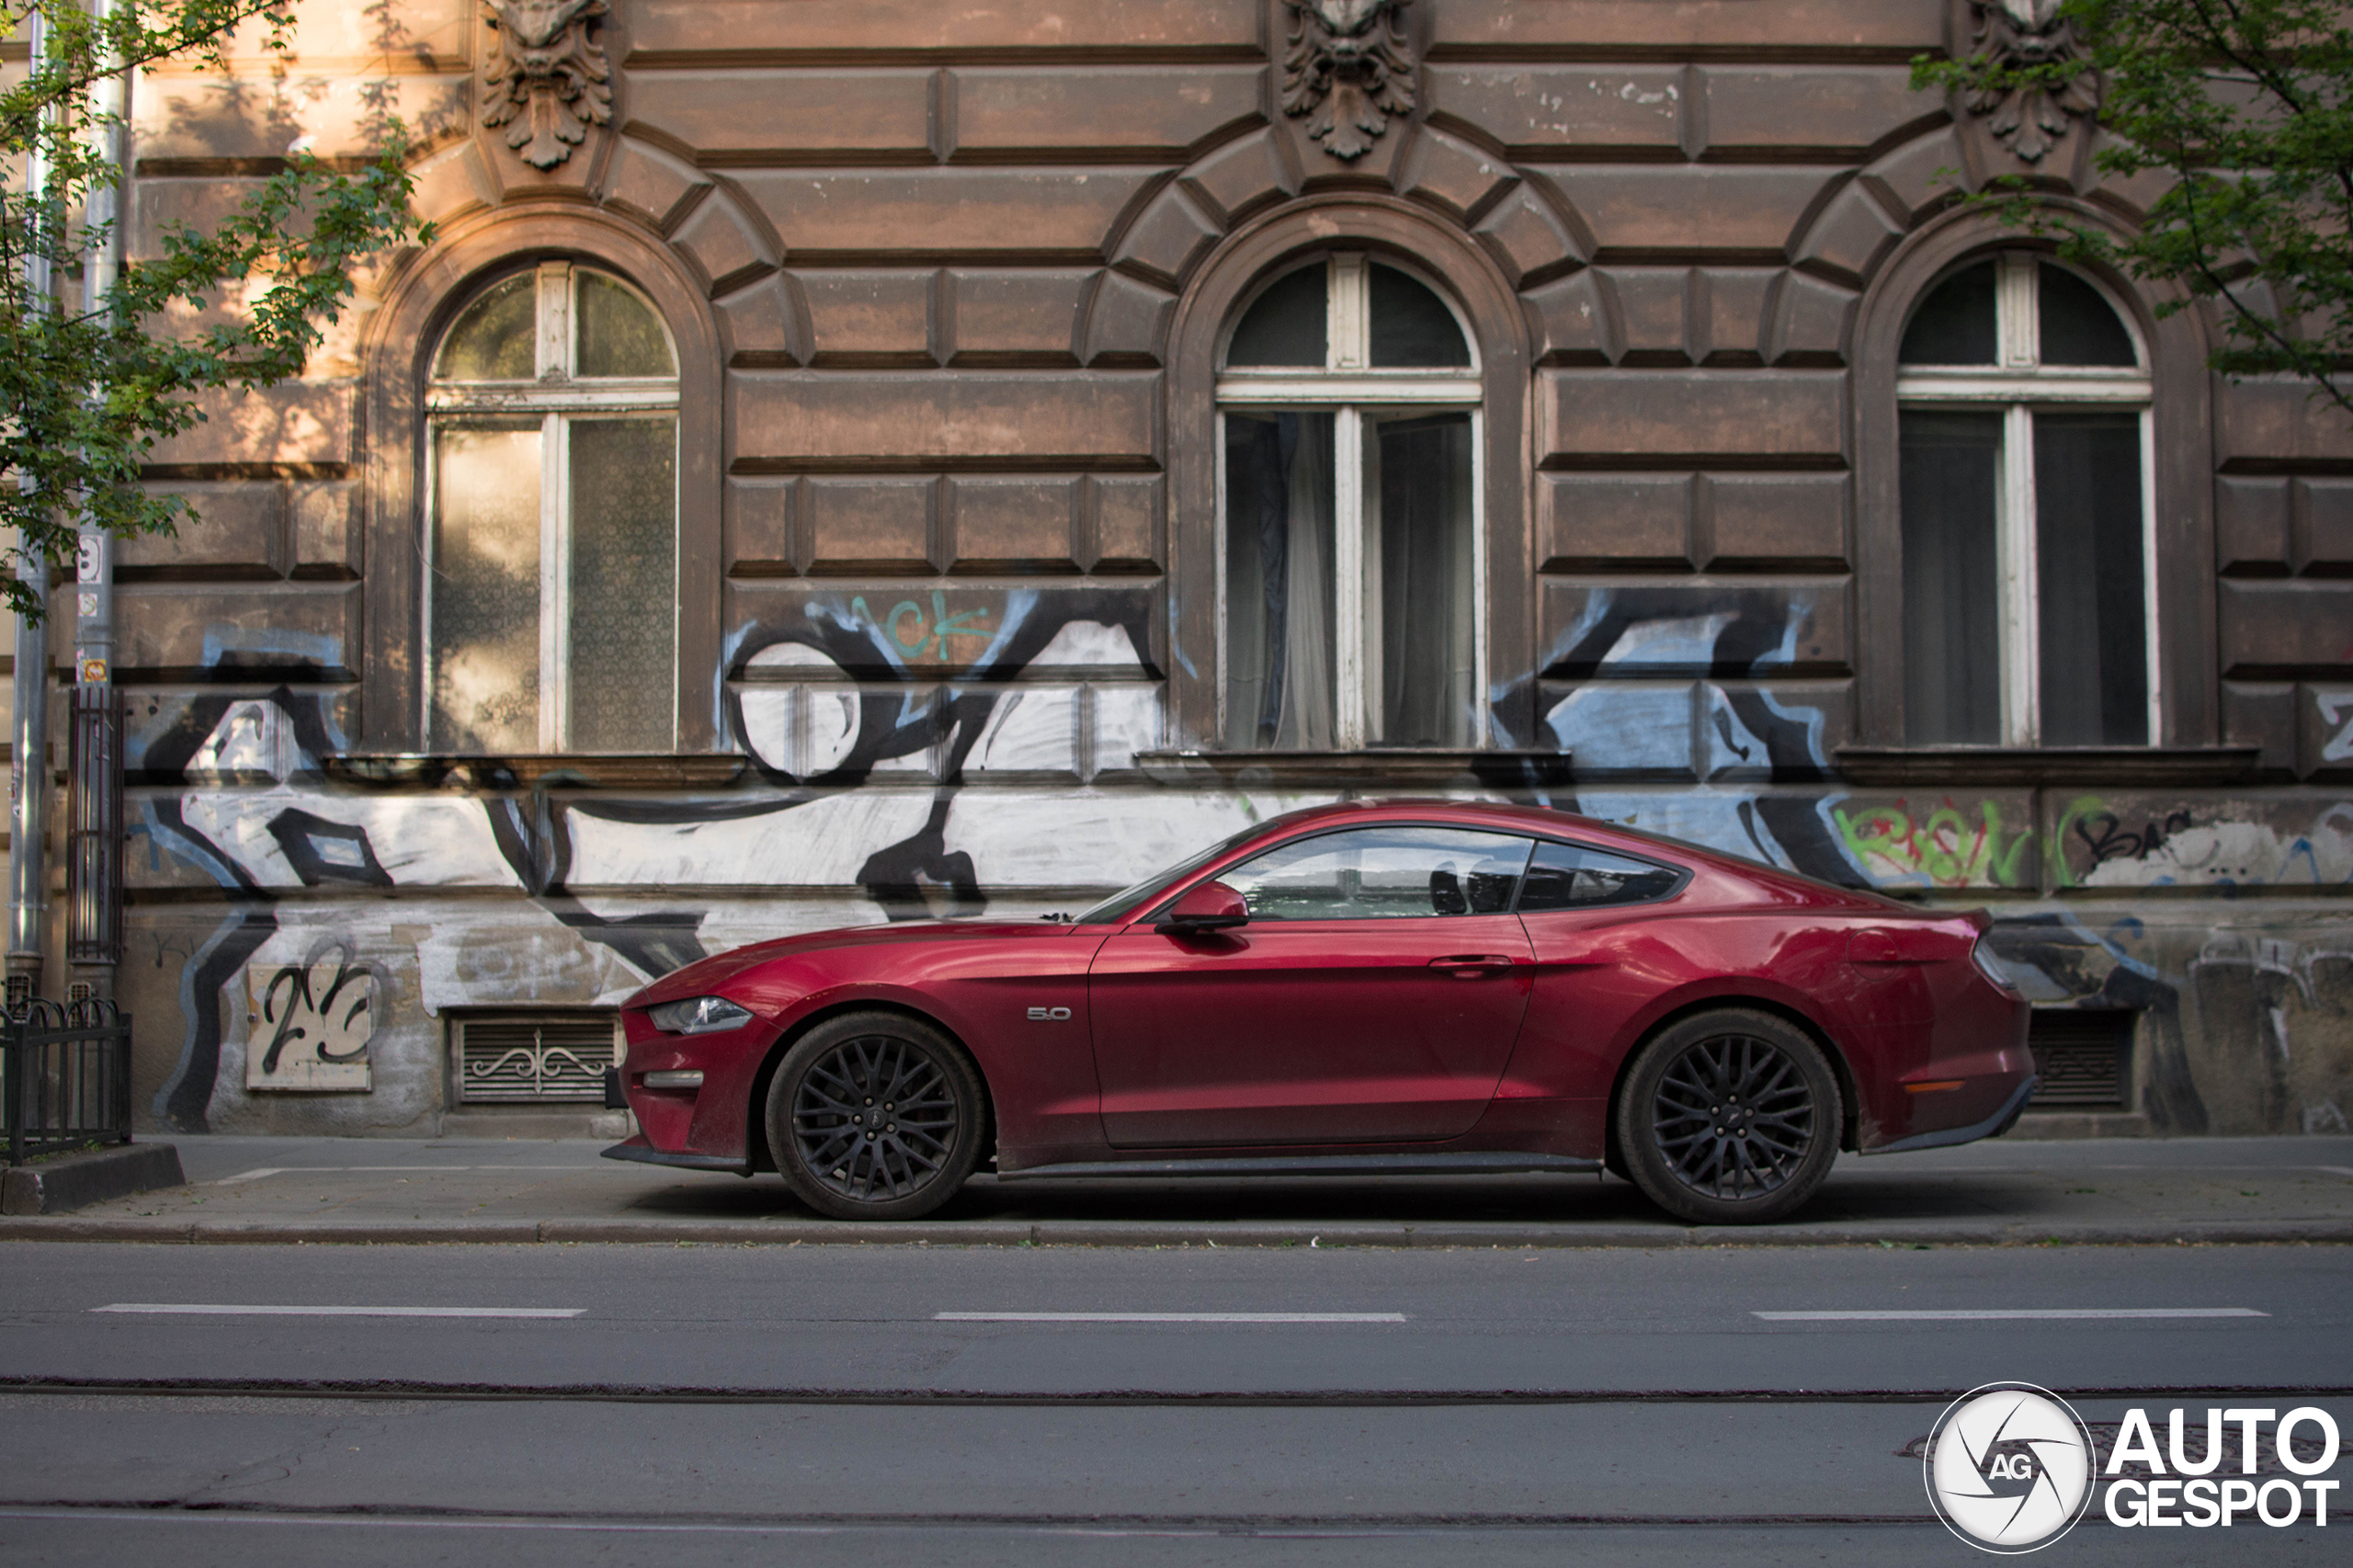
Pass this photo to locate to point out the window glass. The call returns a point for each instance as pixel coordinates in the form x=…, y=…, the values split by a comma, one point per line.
x=1280, y=641
x=486, y=587
x=492, y=340
x=1287, y=326
x=2090, y=580
x=1417, y=495
x=1383, y=873
x=624, y=603
x=1412, y=328
x=619, y=336
x=1951, y=479
x=2078, y=326
x=1571, y=876
x=1955, y=325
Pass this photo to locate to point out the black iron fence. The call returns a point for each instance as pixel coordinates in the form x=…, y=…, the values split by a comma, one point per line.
x=64, y=1076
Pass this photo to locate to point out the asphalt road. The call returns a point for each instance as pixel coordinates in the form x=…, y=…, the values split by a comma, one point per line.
x=846, y=1404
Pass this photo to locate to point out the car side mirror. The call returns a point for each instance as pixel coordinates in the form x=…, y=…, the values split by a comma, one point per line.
x=1212, y=906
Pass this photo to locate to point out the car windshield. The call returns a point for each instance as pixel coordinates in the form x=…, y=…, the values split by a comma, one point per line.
x=1152, y=887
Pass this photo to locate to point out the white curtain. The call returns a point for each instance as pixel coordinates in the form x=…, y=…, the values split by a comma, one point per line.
x=1305, y=724
x=1418, y=501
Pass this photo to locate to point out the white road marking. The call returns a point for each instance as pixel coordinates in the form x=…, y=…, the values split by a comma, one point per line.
x=1169, y=1317
x=204, y=1308
x=2335, y=1170
x=255, y=1175
x=1982, y=1314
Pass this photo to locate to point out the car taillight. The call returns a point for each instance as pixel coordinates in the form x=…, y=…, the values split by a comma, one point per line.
x=1991, y=966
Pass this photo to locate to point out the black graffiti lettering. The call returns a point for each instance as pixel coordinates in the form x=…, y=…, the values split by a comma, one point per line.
x=2107, y=838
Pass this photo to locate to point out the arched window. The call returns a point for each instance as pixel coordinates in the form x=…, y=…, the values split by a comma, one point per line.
x=2026, y=488
x=1348, y=398
x=550, y=593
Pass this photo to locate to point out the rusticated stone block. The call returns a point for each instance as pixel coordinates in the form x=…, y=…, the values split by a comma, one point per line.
x=972, y=214
x=723, y=243
x=1812, y=321
x=1693, y=207
x=294, y=424
x=1574, y=325
x=2323, y=725
x=1126, y=523
x=761, y=541
x=760, y=321
x=1453, y=175
x=299, y=632
x=1539, y=109
x=1769, y=415
x=2278, y=421
x=1146, y=107
x=1014, y=525
x=1652, y=310
x=238, y=531
x=1728, y=314
x=1820, y=108
x=1127, y=322
x=665, y=27
x=653, y=184
x=2283, y=629
x=1668, y=24
x=1041, y=416
x=1529, y=237
x=869, y=317
x=1243, y=175
x=1614, y=521
x=1168, y=238
x=2262, y=714
x=1797, y=626
x=871, y=527
x=326, y=515
x=1852, y=233
x=2323, y=540
x=2252, y=525
x=998, y=315
x=739, y=114
x=1784, y=521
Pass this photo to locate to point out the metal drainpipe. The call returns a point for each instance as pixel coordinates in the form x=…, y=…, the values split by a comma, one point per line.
x=94, y=813
x=28, y=759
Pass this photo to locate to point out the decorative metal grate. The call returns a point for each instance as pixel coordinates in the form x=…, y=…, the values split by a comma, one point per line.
x=2083, y=1055
x=548, y=1059
x=64, y=1076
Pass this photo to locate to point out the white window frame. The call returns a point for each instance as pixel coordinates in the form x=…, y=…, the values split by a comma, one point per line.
x=2018, y=387
x=1349, y=388
x=557, y=397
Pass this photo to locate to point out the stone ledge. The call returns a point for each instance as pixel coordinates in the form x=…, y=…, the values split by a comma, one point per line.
x=75, y=1181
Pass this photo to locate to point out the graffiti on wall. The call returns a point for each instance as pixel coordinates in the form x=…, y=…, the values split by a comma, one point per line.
x=1944, y=844
x=310, y=1025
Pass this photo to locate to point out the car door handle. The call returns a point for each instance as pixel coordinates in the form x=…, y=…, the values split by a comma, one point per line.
x=1472, y=966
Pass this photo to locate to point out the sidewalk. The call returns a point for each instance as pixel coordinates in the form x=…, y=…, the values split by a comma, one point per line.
x=467, y=1189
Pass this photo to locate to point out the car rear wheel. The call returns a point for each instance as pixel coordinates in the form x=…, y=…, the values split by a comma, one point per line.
x=875, y=1116
x=1730, y=1117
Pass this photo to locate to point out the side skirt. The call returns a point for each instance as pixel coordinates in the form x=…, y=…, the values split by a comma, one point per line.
x=645, y=1156
x=1472, y=1164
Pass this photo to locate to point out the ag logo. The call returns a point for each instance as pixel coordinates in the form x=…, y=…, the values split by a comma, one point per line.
x=2010, y=1467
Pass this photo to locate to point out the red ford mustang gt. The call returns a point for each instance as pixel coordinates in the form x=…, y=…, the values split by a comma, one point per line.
x=1410, y=986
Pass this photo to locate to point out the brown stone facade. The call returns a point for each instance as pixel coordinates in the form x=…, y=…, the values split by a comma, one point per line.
x=948, y=289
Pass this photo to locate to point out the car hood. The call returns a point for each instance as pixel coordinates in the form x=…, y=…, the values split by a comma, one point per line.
x=710, y=975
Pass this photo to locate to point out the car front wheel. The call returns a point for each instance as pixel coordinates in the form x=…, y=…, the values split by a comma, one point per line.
x=1730, y=1117
x=875, y=1116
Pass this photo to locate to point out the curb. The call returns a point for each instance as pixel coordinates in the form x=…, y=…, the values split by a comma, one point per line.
x=76, y=1181
x=1148, y=1233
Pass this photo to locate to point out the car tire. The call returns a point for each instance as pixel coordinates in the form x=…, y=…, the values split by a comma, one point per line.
x=838, y=1120
x=1729, y=1117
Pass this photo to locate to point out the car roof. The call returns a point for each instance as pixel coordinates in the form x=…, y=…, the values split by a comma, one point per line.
x=1550, y=822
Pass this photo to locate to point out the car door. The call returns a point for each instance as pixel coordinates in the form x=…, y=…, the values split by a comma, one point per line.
x=1596, y=961
x=1373, y=997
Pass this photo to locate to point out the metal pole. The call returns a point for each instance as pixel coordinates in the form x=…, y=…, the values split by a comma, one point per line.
x=93, y=941
x=28, y=761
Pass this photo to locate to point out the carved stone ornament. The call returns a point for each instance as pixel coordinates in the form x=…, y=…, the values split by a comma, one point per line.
x=2030, y=32
x=545, y=81
x=1350, y=66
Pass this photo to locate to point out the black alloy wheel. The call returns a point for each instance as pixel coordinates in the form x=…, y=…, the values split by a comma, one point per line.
x=1730, y=1117
x=875, y=1116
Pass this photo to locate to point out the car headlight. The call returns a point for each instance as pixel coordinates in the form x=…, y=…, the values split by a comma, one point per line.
x=697, y=1015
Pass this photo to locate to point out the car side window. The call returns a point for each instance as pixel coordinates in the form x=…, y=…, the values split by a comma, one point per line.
x=1571, y=876
x=1377, y=873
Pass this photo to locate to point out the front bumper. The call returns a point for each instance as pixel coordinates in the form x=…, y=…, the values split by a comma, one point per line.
x=643, y=1153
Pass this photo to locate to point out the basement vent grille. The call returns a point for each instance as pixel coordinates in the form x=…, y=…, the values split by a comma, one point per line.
x=554, y=1058
x=2083, y=1055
